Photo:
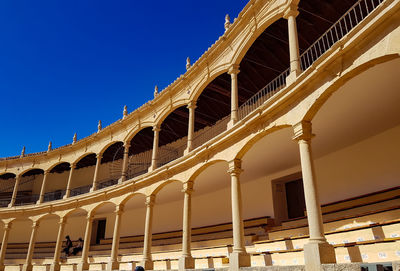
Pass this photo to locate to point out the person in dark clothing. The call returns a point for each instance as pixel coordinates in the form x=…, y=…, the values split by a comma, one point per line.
x=78, y=248
x=139, y=268
x=68, y=245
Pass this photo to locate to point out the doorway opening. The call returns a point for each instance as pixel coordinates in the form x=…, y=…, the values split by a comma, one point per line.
x=99, y=231
x=288, y=198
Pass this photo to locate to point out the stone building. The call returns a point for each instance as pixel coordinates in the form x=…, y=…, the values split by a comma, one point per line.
x=218, y=170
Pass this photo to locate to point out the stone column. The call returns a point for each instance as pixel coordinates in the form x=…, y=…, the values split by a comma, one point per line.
x=317, y=251
x=28, y=262
x=96, y=172
x=84, y=265
x=234, y=71
x=43, y=188
x=113, y=264
x=55, y=266
x=154, y=157
x=239, y=257
x=125, y=161
x=186, y=261
x=68, y=190
x=147, y=262
x=192, y=108
x=7, y=228
x=291, y=14
x=15, y=191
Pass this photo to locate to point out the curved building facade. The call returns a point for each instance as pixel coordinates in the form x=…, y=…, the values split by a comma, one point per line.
x=279, y=146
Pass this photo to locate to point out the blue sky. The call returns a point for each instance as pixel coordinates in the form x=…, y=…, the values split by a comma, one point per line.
x=64, y=65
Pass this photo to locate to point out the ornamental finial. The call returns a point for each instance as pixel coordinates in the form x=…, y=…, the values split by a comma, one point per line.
x=23, y=152
x=74, y=139
x=155, y=91
x=187, y=63
x=125, y=113
x=227, y=21
x=99, y=126
x=49, y=147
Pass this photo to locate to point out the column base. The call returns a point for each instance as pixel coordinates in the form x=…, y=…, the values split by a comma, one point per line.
x=55, y=267
x=147, y=264
x=82, y=266
x=187, y=150
x=112, y=265
x=291, y=78
x=186, y=262
x=237, y=260
x=316, y=254
x=230, y=124
x=27, y=267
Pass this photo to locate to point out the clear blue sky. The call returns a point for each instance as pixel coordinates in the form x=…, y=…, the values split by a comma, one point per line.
x=64, y=65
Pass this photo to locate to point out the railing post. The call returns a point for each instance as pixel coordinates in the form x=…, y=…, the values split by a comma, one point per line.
x=7, y=228
x=15, y=191
x=113, y=264
x=68, y=190
x=317, y=251
x=234, y=71
x=125, y=160
x=147, y=261
x=96, y=172
x=43, y=188
x=186, y=261
x=28, y=262
x=55, y=266
x=84, y=265
x=291, y=14
x=154, y=157
x=239, y=257
x=192, y=108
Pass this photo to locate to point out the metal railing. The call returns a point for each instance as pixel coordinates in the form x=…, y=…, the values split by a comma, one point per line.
x=54, y=195
x=209, y=133
x=26, y=200
x=107, y=183
x=169, y=153
x=337, y=31
x=80, y=190
x=263, y=95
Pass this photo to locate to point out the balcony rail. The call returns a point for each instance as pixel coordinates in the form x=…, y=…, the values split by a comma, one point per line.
x=337, y=31
x=139, y=163
x=54, y=195
x=263, y=95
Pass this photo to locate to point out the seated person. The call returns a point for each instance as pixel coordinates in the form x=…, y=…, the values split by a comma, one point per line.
x=78, y=248
x=68, y=245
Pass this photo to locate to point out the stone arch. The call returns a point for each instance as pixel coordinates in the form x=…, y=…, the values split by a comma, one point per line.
x=43, y=216
x=130, y=196
x=134, y=131
x=56, y=164
x=162, y=185
x=204, y=167
x=29, y=169
x=105, y=147
x=93, y=210
x=166, y=111
x=75, y=210
x=250, y=142
x=213, y=74
x=319, y=101
x=81, y=157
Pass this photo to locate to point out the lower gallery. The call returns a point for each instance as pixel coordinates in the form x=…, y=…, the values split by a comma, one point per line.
x=291, y=167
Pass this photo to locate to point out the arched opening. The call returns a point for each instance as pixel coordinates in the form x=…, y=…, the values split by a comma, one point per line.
x=102, y=225
x=7, y=182
x=46, y=238
x=57, y=182
x=18, y=239
x=173, y=135
x=75, y=225
x=111, y=165
x=213, y=109
x=82, y=178
x=29, y=187
x=140, y=152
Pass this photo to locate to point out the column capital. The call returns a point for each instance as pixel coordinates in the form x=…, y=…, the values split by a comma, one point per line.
x=235, y=167
x=234, y=69
x=127, y=145
x=99, y=156
x=192, y=105
x=156, y=128
x=119, y=209
x=35, y=225
x=72, y=165
x=302, y=131
x=188, y=187
x=47, y=171
x=89, y=217
x=291, y=11
x=8, y=226
x=62, y=221
x=150, y=200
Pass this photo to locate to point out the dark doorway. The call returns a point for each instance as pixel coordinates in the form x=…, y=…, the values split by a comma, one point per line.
x=101, y=230
x=295, y=198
